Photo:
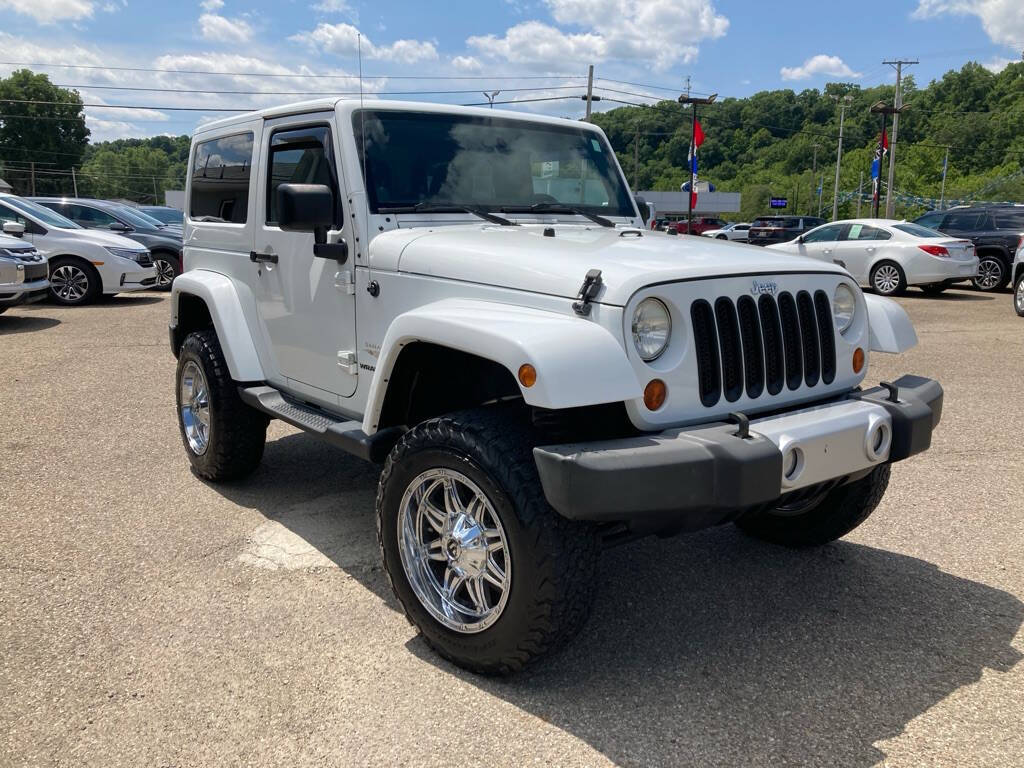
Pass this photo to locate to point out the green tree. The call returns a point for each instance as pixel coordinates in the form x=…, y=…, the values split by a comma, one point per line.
x=53, y=135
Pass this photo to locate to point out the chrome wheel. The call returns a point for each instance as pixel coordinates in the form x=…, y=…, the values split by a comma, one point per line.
x=887, y=279
x=194, y=396
x=164, y=272
x=990, y=274
x=69, y=283
x=453, y=550
x=1018, y=297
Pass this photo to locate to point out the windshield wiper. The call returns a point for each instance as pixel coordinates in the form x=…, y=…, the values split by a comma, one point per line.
x=559, y=208
x=448, y=208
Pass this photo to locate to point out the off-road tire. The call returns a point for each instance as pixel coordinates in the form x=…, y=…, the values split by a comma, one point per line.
x=238, y=432
x=1018, y=295
x=835, y=515
x=553, y=559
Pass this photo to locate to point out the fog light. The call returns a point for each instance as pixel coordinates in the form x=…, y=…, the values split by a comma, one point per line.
x=527, y=375
x=858, y=360
x=878, y=440
x=792, y=464
x=654, y=394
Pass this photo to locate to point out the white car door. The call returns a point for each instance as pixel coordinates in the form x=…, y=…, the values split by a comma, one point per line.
x=306, y=303
x=859, y=249
x=821, y=243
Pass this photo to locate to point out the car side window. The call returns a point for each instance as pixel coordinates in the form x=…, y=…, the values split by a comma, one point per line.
x=825, y=234
x=1010, y=219
x=88, y=217
x=965, y=222
x=221, y=173
x=930, y=220
x=864, y=232
x=301, y=156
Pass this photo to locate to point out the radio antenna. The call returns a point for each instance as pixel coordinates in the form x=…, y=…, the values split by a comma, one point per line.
x=371, y=283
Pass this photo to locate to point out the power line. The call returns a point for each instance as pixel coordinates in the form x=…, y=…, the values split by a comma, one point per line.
x=307, y=93
x=128, y=106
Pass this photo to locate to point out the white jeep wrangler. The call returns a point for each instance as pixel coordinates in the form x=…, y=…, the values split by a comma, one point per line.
x=471, y=297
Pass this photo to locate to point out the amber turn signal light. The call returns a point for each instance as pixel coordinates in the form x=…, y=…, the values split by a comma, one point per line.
x=858, y=360
x=527, y=375
x=654, y=394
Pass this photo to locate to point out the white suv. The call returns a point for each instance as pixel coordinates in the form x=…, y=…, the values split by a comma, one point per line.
x=83, y=263
x=471, y=297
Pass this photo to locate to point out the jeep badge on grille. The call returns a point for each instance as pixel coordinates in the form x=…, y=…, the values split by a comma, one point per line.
x=764, y=286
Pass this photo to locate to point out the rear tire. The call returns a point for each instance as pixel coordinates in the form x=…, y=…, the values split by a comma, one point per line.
x=992, y=274
x=223, y=437
x=888, y=278
x=488, y=617
x=831, y=517
x=74, y=282
x=168, y=267
x=1018, y=295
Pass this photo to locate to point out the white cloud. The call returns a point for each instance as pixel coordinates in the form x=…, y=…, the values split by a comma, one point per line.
x=821, y=64
x=224, y=30
x=211, y=5
x=51, y=11
x=342, y=40
x=660, y=33
x=466, y=63
x=997, y=64
x=1002, y=20
x=333, y=6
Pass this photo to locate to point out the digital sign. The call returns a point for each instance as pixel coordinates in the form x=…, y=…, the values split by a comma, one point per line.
x=778, y=202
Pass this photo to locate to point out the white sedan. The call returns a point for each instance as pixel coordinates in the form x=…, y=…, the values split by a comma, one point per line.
x=889, y=255
x=734, y=231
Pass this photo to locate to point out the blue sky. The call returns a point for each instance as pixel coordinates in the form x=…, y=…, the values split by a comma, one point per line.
x=541, y=47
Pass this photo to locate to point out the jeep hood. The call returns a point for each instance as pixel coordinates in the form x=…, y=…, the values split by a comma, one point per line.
x=526, y=259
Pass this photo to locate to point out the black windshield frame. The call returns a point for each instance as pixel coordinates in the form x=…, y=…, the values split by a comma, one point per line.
x=493, y=135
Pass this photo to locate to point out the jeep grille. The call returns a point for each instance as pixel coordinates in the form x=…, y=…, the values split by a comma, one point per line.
x=762, y=346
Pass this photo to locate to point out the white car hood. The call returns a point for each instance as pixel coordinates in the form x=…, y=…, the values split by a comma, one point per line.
x=98, y=238
x=524, y=258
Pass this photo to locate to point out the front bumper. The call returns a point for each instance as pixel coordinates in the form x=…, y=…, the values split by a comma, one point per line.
x=12, y=294
x=685, y=479
x=137, y=279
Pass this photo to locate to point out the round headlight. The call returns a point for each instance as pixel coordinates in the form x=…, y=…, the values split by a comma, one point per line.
x=652, y=327
x=844, y=307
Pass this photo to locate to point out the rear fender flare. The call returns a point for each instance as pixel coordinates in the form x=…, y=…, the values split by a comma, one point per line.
x=219, y=294
x=578, y=362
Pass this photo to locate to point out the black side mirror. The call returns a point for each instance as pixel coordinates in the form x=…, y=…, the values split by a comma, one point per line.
x=645, y=212
x=310, y=208
x=119, y=226
x=800, y=239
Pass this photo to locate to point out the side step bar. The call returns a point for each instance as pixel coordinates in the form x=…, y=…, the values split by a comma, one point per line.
x=347, y=435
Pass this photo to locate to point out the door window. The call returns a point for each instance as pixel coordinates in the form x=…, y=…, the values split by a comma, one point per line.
x=88, y=217
x=301, y=156
x=221, y=171
x=1010, y=219
x=964, y=222
x=827, y=234
x=864, y=232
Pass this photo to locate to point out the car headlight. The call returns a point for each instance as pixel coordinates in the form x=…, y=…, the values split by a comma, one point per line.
x=652, y=327
x=844, y=307
x=127, y=253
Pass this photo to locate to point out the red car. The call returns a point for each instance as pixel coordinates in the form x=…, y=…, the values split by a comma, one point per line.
x=701, y=224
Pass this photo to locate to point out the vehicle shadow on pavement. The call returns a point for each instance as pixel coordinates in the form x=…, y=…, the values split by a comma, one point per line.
x=10, y=324
x=715, y=649
x=951, y=296
x=706, y=649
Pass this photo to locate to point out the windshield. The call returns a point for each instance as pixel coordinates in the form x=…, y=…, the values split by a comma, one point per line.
x=486, y=163
x=40, y=213
x=137, y=218
x=165, y=215
x=917, y=230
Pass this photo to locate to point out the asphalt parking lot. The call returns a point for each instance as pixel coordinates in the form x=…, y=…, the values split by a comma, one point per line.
x=152, y=619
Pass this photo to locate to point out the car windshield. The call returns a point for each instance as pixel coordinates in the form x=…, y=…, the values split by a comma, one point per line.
x=917, y=230
x=40, y=212
x=770, y=221
x=137, y=218
x=491, y=164
x=165, y=215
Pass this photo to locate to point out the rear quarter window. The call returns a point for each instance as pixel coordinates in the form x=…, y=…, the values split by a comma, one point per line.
x=220, y=179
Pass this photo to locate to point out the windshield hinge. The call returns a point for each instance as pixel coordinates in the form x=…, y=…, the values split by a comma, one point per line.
x=588, y=292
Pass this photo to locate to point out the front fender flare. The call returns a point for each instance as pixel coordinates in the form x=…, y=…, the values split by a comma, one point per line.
x=221, y=299
x=889, y=326
x=578, y=362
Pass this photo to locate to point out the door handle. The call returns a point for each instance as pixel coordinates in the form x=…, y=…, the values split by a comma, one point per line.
x=870, y=249
x=827, y=250
x=268, y=258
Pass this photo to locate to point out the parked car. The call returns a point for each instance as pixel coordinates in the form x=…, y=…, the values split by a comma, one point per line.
x=84, y=263
x=164, y=244
x=780, y=229
x=735, y=231
x=1018, y=280
x=164, y=213
x=997, y=231
x=23, y=270
x=538, y=373
x=701, y=224
x=889, y=255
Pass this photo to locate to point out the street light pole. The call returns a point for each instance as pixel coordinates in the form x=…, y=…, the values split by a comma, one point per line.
x=590, y=90
x=945, y=167
x=885, y=110
x=693, y=101
x=490, y=97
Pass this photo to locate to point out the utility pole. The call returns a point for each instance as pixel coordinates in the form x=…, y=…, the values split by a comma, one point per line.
x=885, y=110
x=692, y=101
x=33, y=163
x=156, y=195
x=636, y=155
x=590, y=90
x=945, y=166
x=814, y=171
x=839, y=154
x=74, y=180
x=890, y=200
x=821, y=183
